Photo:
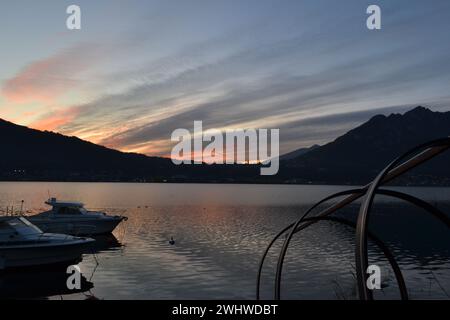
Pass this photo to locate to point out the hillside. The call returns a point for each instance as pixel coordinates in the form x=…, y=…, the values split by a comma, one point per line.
x=353, y=158
x=357, y=156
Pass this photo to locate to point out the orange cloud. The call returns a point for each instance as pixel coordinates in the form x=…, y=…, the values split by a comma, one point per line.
x=55, y=120
x=47, y=79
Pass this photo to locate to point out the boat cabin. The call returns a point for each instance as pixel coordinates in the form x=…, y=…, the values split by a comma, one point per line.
x=66, y=207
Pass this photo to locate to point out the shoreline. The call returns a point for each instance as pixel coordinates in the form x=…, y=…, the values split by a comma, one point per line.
x=229, y=183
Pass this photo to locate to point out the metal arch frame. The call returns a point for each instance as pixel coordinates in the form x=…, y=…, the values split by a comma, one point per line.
x=361, y=253
x=395, y=267
x=416, y=201
x=392, y=171
x=396, y=194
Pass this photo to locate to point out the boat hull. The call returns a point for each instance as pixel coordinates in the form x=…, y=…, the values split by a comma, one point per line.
x=82, y=227
x=36, y=255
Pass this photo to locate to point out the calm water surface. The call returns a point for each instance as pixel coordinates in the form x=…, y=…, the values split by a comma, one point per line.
x=220, y=233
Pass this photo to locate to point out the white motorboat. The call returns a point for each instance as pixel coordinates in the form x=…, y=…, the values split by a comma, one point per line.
x=22, y=244
x=72, y=218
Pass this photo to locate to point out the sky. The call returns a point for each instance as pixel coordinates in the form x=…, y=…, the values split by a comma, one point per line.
x=138, y=70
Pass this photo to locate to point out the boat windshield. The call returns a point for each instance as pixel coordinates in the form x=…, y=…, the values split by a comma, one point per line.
x=70, y=210
x=19, y=226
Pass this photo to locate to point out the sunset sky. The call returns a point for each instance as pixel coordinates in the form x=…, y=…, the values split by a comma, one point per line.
x=137, y=70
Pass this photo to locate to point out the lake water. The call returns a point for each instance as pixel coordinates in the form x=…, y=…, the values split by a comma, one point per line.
x=221, y=232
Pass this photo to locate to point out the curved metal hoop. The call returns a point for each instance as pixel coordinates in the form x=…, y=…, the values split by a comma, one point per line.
x=396, y=194
x=295, y=225
x=397, y=272
x=390, y=172
x=387, y=253
x=361, y=252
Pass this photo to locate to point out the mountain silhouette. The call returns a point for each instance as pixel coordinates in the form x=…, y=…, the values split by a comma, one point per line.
x=32, y=151
x=353, y=158
x=357, y=156
x=299, y=152
x=29, y=154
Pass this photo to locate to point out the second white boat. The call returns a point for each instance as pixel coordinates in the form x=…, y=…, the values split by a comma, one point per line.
x=70, y=217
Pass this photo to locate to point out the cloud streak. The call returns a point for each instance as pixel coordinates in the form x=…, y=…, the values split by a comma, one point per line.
x=48, y=79
x=312, y=73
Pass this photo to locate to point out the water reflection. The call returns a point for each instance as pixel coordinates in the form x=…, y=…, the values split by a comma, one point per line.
x=103, y=243
x=220, y=233
x=37, y=284
x=51, y=280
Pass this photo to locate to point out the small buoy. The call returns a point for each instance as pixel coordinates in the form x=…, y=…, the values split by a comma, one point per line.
x=171, y=242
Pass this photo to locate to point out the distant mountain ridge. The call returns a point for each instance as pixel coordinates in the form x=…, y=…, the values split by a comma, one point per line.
x=357, y=156
x=34, y=150
x=30, y=154
x=299, y=152
x=353, y=158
